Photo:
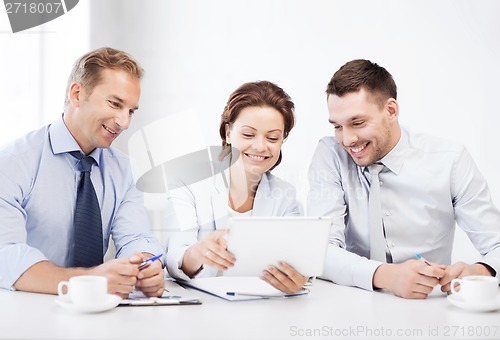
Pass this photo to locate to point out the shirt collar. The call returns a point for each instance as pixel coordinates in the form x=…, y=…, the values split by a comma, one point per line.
x=62, y=141
x=395, y=159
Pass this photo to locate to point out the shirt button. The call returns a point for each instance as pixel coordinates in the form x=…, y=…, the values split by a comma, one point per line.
x=387, y=213
x=381, y=182
x=393, y=244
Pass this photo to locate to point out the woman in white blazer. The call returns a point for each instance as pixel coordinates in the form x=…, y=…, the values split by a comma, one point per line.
x=255, y=122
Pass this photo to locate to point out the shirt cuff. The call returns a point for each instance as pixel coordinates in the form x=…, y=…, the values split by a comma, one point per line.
x=349, y=269
x=174, y=263
x=363, y=273
x=490, y=269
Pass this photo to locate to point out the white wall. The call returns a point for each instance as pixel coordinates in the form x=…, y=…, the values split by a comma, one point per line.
x=443, y=55
x=34, y=69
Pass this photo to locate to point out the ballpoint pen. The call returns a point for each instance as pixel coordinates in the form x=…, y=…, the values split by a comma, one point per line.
x=421, y=258
x=264, y=296
x=149, y=261
x=269, y=296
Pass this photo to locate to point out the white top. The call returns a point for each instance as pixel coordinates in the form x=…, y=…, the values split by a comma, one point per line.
x=199, y=208
x=234, y=213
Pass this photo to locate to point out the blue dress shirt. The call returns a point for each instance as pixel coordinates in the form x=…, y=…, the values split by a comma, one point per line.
x=427, y=186
x=38, y=186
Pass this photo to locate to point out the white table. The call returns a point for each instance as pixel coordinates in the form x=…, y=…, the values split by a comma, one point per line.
x=328, y=311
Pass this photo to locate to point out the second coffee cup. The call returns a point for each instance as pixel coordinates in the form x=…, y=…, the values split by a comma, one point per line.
x=476, y=289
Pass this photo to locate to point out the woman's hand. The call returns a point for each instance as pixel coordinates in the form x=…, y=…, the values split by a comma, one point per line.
x=284, y=278
x=210, y=251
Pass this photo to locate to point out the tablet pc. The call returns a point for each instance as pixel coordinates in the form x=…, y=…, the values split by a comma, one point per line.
x=258, y=242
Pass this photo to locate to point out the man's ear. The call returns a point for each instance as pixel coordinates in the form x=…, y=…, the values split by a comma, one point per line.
x=75, y=94
x=392, y=108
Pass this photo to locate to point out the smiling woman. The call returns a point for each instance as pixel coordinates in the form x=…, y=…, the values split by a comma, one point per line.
x=257, y=135
x=255, y=122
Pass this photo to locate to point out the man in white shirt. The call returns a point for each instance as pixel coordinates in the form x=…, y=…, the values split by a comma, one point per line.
x=426, y=186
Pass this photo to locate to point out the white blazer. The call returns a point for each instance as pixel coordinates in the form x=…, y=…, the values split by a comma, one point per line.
x=193, y=210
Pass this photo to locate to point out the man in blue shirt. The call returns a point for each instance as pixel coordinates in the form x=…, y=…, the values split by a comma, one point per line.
x=426, y=186
x=39, y=180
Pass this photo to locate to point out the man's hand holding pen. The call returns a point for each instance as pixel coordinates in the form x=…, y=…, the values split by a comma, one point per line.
x=412, y=279
x=150, y=279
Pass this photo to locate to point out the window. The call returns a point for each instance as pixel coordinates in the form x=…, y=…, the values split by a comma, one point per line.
x=34, y=68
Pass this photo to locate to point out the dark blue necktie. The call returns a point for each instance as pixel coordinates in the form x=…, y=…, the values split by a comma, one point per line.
x=87, y=237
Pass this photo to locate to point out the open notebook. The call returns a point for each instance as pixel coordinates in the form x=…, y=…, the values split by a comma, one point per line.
x=237, y=288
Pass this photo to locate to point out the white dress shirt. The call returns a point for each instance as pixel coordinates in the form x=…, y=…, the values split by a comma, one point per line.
x=427, y=185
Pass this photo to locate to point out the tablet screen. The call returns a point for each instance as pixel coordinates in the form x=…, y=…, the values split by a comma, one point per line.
x=258, y=242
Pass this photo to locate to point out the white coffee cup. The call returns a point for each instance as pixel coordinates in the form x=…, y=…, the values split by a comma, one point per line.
x=476, y=289
x=85, y=290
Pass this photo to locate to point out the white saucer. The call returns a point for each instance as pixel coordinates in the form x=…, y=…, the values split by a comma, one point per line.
x=475, y=307
x=110, y=302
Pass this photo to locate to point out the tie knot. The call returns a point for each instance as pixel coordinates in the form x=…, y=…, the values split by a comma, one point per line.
x=375, y=169
x=85, y=161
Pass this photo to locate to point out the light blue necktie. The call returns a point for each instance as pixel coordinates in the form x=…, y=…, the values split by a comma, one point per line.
x=377, y=239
